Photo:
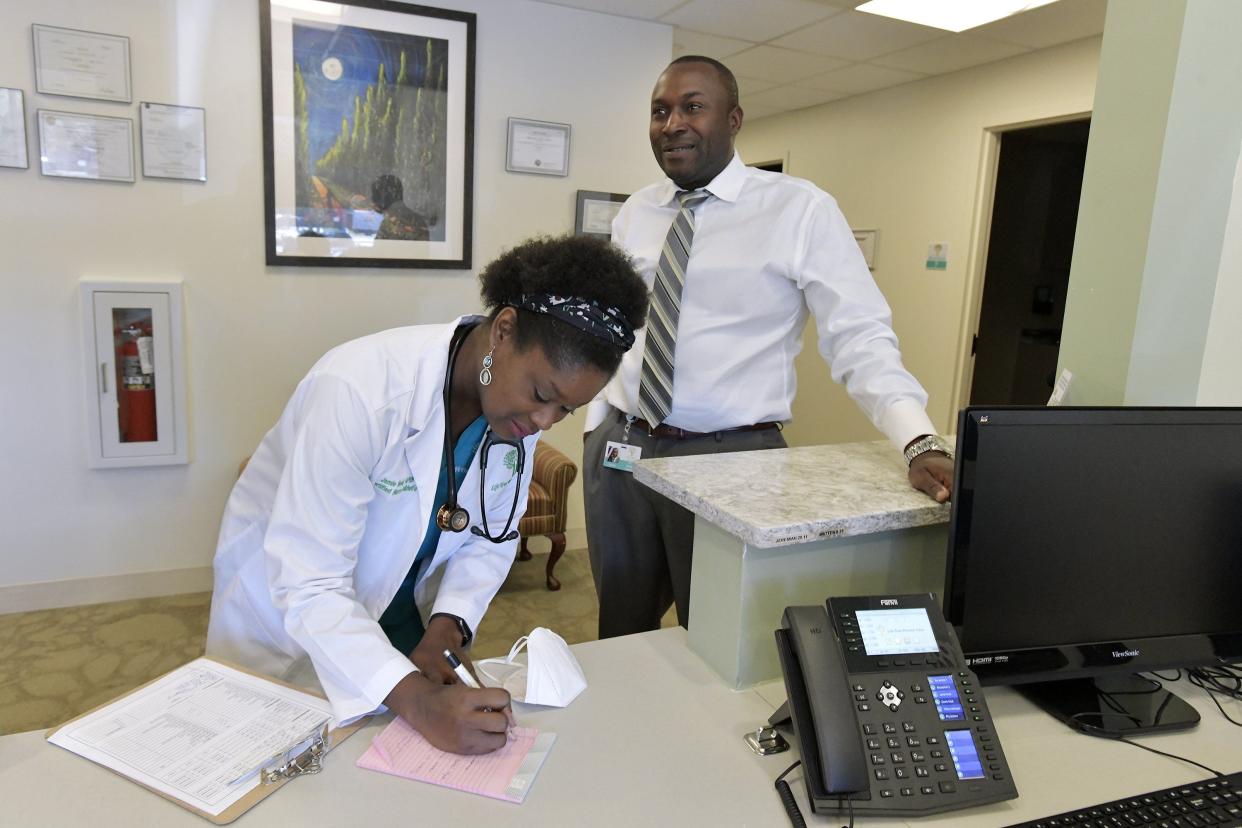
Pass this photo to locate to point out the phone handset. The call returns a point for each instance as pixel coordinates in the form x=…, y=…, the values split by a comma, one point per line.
x=842, y=765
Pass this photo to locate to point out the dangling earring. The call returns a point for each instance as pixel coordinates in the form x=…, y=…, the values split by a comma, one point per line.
x=485, y=376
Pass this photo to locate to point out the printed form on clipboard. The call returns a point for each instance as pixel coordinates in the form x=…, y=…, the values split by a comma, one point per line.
x=505, y=774
x=208, y=736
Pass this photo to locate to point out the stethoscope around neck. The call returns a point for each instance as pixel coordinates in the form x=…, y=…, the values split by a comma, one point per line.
x=451, y=517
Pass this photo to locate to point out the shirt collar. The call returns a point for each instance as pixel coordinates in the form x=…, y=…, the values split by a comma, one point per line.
x=726, y=186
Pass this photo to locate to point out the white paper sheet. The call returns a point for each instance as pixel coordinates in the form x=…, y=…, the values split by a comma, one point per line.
x=194, y=731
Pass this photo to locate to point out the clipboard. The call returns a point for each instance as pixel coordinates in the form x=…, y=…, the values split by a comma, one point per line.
x=273, y=775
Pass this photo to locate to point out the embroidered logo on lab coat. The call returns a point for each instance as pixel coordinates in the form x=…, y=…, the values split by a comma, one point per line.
x=396, y=487
x=511, y=465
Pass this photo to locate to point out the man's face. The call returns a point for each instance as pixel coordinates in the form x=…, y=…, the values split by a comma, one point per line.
x=692, y=125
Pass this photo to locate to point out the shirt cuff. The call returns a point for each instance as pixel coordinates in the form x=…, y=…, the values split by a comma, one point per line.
x=465, y=610
x=904, y=421
x=380, y=685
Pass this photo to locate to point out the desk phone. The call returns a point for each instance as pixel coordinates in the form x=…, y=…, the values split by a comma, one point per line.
x=885, y=712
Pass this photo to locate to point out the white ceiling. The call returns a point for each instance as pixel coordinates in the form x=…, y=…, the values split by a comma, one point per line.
x=791, y=54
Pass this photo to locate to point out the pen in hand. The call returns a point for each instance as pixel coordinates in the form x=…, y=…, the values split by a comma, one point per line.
x=470, y=681
x=461, y=671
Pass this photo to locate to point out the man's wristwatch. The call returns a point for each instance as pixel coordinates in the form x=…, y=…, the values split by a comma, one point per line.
x=466, y=634
x=925, y=444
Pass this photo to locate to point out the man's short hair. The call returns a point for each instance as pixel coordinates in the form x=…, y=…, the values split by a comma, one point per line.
x=726, y=75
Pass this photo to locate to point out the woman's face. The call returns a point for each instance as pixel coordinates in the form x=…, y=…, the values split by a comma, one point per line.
x=529, y=394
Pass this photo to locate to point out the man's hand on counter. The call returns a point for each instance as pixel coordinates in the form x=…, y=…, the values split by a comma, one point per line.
x=932, y=473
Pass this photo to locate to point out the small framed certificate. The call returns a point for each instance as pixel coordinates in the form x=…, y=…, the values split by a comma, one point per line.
x=866, y=242
x=174, y=141
x=94, y=147
x=596, y=211
x=540, y=147
x=81, y=64
x=13, y=129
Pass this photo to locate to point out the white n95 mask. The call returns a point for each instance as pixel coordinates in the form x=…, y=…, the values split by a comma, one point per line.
x=551, y=675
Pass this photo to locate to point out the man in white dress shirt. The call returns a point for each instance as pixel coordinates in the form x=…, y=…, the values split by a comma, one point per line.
x=731, y=287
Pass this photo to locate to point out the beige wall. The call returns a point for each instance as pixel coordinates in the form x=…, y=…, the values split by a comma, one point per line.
x=907, y=161
x=251, y=331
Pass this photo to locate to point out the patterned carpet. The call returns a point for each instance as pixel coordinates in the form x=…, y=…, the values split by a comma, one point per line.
x=55, y=664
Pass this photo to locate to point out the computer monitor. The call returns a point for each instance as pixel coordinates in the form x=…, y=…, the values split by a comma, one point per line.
x=1089, y=544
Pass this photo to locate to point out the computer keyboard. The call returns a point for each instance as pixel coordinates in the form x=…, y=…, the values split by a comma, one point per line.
x=1215, y=802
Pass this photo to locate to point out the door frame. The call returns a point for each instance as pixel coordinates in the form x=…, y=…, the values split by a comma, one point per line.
x=977, y=254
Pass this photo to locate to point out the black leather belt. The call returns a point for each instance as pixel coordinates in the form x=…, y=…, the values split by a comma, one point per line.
x=665, y=430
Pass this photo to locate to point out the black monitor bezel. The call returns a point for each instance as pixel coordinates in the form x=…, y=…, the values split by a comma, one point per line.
x=1071, y=659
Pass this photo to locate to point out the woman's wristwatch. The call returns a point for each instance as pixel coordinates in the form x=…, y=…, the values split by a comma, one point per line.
x=925, y=444
x=466, y=634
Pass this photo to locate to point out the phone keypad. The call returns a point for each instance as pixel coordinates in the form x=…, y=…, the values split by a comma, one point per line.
x=906, y=755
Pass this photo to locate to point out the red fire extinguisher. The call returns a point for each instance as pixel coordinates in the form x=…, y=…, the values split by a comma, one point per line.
x=135, y=393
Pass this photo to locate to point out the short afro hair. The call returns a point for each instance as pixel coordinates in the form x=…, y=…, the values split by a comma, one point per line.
x=726, y=75
x=587, y=267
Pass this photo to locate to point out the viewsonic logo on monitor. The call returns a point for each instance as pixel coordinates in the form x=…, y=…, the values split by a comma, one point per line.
x=1125, y=653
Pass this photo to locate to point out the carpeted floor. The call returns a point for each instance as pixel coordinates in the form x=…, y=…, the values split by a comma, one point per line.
x=55, y=664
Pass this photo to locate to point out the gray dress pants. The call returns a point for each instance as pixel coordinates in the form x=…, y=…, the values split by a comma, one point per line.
x=640, y=541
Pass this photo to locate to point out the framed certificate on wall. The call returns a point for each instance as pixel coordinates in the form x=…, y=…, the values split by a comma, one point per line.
x=13, y=129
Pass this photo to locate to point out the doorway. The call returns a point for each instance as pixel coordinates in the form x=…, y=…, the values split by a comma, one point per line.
x=1026, y=278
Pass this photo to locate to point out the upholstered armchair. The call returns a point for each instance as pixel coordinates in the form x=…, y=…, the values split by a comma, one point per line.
x=546, y=505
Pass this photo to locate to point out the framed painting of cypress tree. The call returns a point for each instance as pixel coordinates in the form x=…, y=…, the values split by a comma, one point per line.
x=368, y=133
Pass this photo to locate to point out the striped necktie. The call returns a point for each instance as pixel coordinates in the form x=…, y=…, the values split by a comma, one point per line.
x=655, y=385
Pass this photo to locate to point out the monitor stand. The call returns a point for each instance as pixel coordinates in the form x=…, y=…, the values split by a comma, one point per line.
x=1115, y=705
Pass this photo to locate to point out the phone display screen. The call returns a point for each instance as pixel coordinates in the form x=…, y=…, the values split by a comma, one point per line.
x=965, y=757
x=896, y=631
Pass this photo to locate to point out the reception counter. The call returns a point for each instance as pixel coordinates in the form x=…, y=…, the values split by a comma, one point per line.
x=793, y=526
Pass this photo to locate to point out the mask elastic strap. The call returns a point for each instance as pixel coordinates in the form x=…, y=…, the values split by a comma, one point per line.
x=513, y=651
x=516, y=648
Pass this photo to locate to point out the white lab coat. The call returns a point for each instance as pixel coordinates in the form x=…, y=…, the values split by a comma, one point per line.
x=325, y=521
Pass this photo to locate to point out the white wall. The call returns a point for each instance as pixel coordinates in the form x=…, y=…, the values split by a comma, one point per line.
x=907, y=161
x=251, y=331
x=1220, y=382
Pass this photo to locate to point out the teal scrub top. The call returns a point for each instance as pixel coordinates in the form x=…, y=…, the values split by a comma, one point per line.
x=401, y=621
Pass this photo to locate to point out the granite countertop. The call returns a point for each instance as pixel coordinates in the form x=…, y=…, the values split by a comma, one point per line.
x=787, y=496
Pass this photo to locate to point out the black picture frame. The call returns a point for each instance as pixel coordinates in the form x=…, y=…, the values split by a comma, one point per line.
x=401, y=71
x=589, y=212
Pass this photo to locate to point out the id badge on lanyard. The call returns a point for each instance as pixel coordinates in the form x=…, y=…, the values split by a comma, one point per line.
x=622, y=456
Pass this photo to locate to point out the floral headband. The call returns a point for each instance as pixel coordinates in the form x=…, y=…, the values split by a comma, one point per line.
x=586, y=315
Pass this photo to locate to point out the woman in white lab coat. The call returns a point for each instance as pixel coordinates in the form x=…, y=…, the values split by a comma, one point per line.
x=341, y=557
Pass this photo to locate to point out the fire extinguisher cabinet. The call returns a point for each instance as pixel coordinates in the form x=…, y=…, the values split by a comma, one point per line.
x=135, y=379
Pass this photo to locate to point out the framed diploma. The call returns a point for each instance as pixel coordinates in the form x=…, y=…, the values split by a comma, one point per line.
x=13, y=129
x=540, y=147
x=368, y=133
x=174, y=141
x=596, y=211
x=94, y=147
x=81, y=64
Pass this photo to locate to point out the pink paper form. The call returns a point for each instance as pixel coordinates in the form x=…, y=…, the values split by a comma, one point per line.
x=402, y=751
